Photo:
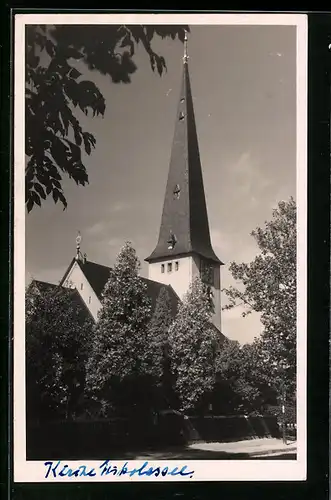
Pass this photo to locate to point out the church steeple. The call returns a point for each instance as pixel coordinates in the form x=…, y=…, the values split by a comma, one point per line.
x=184, y=249
x=184, y=224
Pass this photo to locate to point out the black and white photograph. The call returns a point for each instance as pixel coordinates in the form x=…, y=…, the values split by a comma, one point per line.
x=160, y=247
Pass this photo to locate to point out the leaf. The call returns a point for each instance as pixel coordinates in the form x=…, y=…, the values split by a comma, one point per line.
x=74, y=73
x=63, y=200
x=125, y=40
x=160, y=62
x=50, y=48
x=78, y=137
x=40, y=190
x=74, y=53
x=87, y=146
x=30, y=204
x=53, y=91
x=56, y=183
x=34, y=196
x=29, y=173
x=55, y=194
x=59, y=152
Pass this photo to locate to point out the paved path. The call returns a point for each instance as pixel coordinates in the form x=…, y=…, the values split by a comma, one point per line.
x=253, y=447
x=240, y=450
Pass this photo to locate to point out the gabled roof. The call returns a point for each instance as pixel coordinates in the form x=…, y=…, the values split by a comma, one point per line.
x=97, y=275
x=153, y=291
x=44, y=287
x=184, y=215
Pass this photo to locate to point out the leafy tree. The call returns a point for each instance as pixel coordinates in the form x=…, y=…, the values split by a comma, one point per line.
x=243, y=383
x=55, y=90
x=269, y=287
x=58, y=332
x=158, y=332
x=193, y=345
x=119, y=365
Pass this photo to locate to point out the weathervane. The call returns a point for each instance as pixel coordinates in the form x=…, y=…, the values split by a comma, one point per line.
x=78, y=242
x=185, y=58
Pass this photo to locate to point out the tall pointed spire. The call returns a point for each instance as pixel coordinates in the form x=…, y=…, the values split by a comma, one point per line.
x=184, y=224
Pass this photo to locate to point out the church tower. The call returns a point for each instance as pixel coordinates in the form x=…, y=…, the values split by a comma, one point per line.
x=184, y=248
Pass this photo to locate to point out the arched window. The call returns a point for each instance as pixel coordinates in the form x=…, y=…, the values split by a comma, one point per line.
x=176, y=192
x=171, y=241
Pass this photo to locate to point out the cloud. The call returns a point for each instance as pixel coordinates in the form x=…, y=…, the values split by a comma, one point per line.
x=120, y=206
x=235, y=327
x=249, y=179
x=50, y=275
x=220, y=242
x=97, y=228
x=282, y=194
x=235, y=313
x=116, y=242
x=103, y=226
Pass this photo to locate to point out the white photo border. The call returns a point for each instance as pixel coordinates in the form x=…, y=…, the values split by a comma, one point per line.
x=204, y=470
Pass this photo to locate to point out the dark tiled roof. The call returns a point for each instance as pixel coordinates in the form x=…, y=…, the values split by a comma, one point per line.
x=98, y=275
x=185, y=216
x=99, y=280
x=44, y=287
x=153, y=290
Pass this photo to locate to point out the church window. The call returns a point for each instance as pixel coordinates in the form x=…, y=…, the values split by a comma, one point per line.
x=89, y=300
x=176, y=265
x=176, y=191
x=81, y=286
x=171, y=241
x=169, y=267
x=207, y=272
x=182, y=99
x=162, y=268
x=181, y=116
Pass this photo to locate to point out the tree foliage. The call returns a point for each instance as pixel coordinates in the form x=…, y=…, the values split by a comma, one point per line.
x=243, y=383
x=193, y=346
x=58, y=333
x=120, y=356
x=158, y=333
x=55, y=140
x=269, y=287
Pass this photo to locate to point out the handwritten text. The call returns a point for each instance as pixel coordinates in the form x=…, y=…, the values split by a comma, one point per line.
x=61, y=469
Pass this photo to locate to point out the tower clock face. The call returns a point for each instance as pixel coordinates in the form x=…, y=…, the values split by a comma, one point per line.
x=207, y=272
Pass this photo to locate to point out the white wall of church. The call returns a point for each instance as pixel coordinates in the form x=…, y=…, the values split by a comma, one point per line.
x=76, y=279
x=179, y=279
x=216, y=290
x=188, y=269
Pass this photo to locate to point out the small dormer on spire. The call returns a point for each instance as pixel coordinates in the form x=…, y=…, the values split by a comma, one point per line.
x=186, y=56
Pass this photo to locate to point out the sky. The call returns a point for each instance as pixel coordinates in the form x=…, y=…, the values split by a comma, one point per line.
x=243, y=82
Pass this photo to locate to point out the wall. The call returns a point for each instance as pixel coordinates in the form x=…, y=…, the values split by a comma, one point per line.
x=179, y=280
x=189, y=268
x=75, y=279
x=216, y=289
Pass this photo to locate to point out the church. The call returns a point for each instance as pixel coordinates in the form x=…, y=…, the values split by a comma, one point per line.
x=183, y=249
